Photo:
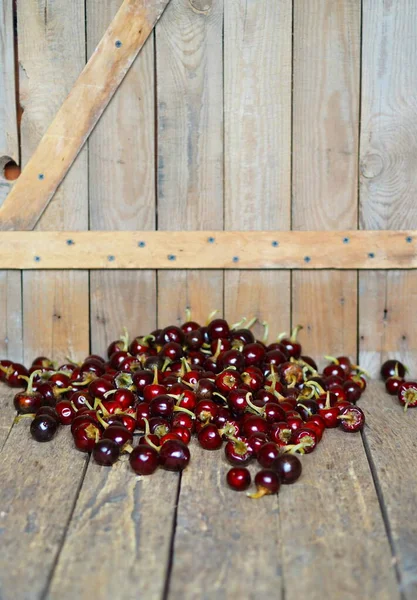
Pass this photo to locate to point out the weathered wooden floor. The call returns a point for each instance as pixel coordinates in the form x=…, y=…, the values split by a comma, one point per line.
x=70, y=529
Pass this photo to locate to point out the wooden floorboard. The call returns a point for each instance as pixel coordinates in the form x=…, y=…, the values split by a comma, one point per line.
x=7, y=413
x=333, y=535
x=39, y=484
x=118, y=543
x=226, y=545
x=324, y=537
x=390, y=438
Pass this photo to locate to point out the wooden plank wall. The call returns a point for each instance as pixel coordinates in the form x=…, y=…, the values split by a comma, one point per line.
x=10, y=282
x=325, y=144
x=9, y=135
x=257, y=104
x=237, y=115
x=388, y=154
x=51, y=55
x=189, y=65
x=122, y=189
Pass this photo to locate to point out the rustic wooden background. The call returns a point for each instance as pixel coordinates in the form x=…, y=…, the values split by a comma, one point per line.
x=238, y=114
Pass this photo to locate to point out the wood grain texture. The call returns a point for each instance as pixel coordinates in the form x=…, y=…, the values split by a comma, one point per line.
x=389, y=438
x=120, y=299
x=39, y=485
x=215, y=539
x=122, y=189
x=11, y=311
x=7, y=414
x=10, y=283
x=178, y=290
x=190, y=144
x=9, y=137
x=325, y=153
x=261, y=294
x=388, y=181
x=52, y=53
x=208, y=250
x=87, y=100
x=257, y=96
x=332, y=531
x=55, y=315
x=386, y=323
x=125, y=521
x=326, y=311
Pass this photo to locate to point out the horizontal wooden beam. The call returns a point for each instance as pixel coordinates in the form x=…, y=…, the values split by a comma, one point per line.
x=208, y=250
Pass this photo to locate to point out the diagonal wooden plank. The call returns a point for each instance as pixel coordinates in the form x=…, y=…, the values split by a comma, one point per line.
x=390, y=442
x=79, y=113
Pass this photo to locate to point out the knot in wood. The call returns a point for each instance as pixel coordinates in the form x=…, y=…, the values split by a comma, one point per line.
x=202, y=7
x=371, y=166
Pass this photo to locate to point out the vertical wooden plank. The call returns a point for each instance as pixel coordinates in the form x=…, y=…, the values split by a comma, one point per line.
x=325, y=303
x=9, y=139
x=52, y=54
x=122, y=188
x=10, y=281
x=202, y=291
x=11, y=311
x=325, y=145
x=190, y=145
x=257, y=79
x=388, y=178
